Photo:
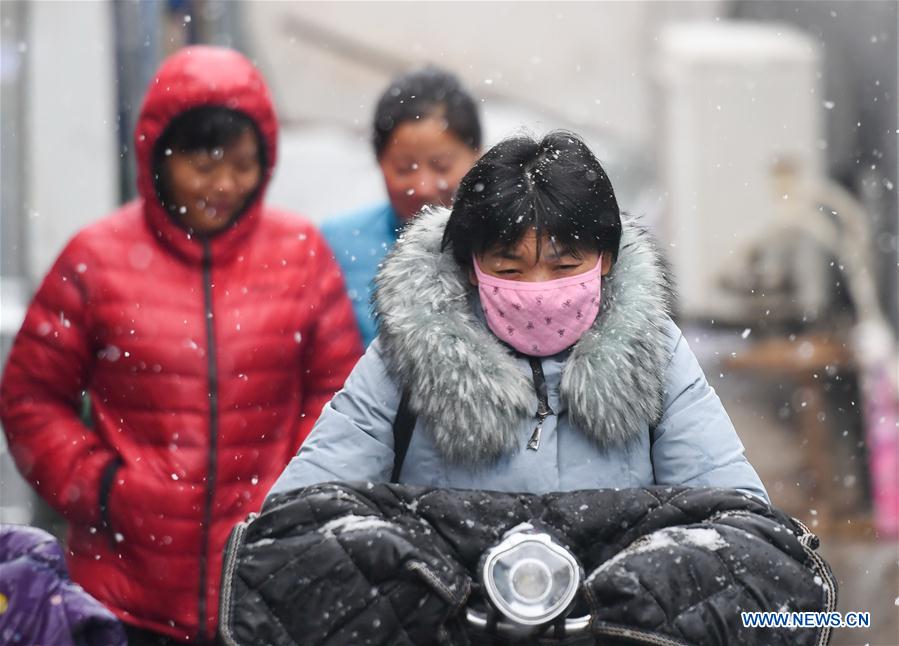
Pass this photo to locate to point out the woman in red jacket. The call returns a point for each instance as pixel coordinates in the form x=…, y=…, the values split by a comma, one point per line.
x=207, y=330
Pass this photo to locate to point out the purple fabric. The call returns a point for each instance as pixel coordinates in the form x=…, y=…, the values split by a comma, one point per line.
x=40, y=605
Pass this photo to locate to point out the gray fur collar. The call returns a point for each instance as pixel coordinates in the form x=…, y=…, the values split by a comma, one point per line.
x=464, y=384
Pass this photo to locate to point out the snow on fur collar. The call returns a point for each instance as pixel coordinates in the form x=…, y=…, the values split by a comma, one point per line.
x=465, y=385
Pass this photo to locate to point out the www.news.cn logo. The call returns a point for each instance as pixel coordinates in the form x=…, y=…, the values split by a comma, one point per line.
x=806, y=619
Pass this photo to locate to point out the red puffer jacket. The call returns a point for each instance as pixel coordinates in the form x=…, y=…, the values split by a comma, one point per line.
x=206, y=362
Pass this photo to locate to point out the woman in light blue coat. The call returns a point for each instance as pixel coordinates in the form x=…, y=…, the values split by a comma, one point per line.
x=529, y=330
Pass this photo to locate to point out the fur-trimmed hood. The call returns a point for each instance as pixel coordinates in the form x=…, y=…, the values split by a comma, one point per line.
x=466, y=386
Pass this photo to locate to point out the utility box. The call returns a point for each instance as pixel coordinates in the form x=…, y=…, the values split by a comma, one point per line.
x=736, y=101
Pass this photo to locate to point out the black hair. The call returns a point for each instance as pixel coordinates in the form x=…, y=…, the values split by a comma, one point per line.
x=202, y=128
x=206, y=128
x=555, y=186
x=426, y=92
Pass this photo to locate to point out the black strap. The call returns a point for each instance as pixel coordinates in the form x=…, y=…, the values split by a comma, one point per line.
x=403, y=425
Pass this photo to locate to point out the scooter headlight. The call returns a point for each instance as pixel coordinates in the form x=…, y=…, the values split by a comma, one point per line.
x=529, y=577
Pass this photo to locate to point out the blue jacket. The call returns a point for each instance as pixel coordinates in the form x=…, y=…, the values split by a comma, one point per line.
x=631, y=405
x=360, y=240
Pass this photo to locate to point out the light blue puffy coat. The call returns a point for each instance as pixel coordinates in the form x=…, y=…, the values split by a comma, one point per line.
x=632, y=406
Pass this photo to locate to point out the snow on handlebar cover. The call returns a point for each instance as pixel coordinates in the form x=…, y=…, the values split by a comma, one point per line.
x=359, y=563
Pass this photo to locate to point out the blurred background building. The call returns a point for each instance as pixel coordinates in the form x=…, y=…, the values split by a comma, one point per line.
x=757, y=139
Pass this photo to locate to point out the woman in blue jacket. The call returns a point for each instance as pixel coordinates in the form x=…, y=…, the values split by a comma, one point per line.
x=529, y=329
x=426, y=135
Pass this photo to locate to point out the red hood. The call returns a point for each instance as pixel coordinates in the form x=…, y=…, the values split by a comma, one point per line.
x=193, y=77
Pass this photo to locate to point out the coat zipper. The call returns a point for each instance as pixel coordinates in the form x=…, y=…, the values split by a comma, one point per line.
x=212, y=388
x=543, y=408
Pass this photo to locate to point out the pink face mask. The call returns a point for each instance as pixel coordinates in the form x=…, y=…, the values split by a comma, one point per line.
x=540, y=318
